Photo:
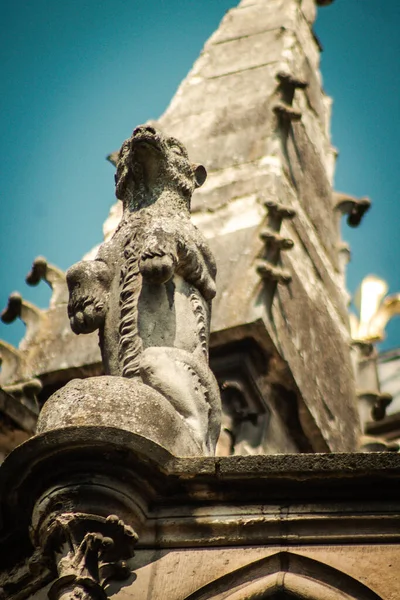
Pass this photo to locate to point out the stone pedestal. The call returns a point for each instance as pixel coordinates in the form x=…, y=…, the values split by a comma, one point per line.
x=127, y=404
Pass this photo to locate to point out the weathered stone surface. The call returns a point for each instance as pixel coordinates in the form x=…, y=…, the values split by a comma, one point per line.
x=239, y=88
x=119, y=402
x=149, y=290
x=327, y=521
x=309, y=9
x=276, y=14
x=229, y=143
x=313, y=187
x=354, y=573
x=308, y=42
x=226, y=113
x=243, y=53
x=17, y=423
x=329, y=277
x=300, y=318
x=57, y=349
x=314, y=126
x=318, y=355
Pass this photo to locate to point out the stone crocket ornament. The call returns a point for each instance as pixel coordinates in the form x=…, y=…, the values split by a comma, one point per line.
x=150, y=287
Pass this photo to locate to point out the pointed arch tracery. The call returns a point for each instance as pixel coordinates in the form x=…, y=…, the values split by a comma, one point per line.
x=282, y=576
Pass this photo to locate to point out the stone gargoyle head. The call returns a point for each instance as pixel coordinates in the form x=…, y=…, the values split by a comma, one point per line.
x=150, y=163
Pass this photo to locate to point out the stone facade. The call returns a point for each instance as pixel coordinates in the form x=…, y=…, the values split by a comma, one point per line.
x=100, y=503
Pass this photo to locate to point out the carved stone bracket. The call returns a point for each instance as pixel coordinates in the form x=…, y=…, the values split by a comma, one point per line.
x=283, y=108
x=26, y=392
x=43, y=271
x=275, y=240
x=86, y=526
x=270, y=272
x=29, y=314
x=268, y=265
x=354, y=208
x=88, y=550
x=286, y=112
x=288, y=80
x=279, y=211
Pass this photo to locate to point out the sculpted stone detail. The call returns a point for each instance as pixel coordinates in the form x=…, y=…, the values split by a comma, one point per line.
x=268, y=266
x=149, y=289
x=88, y=560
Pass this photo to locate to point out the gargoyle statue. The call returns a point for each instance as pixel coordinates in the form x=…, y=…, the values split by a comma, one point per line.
x=149, y=289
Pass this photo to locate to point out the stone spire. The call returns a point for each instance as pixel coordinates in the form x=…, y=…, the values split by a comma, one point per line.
x=252, y=109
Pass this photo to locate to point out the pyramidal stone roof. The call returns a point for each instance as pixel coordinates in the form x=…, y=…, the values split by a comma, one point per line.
x=253, y=111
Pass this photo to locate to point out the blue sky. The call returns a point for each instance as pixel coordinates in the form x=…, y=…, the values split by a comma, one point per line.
x=78, y=75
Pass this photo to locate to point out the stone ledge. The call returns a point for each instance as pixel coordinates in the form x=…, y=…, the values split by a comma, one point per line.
x=197, y=501
x=103, y=444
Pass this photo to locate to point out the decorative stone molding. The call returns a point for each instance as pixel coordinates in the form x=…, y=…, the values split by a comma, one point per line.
x=289, y=80
x=89, y=560
x=268, y=266
x=285, y=574
x=279, y=211
x=245, y=411
x=270, y=272
x=175, y=504
x=73, y=525
x=275, y=240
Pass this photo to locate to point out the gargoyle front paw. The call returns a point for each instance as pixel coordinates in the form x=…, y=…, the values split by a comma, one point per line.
x=88, y=284
x=157, y=269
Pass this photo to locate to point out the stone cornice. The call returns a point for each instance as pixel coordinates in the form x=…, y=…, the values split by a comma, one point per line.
x=291, y=499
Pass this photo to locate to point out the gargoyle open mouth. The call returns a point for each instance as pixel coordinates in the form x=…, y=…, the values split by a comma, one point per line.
x=146, y=141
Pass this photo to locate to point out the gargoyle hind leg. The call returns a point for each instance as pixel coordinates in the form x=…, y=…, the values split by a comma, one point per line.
x=187, y=382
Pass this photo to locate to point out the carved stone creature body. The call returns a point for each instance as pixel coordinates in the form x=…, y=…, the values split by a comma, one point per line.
x=149, y=290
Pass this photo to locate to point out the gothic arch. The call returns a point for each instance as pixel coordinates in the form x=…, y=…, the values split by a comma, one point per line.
x=282, y=575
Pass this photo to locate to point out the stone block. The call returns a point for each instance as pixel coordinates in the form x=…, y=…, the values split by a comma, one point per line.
x=315, y=193
x=254, y=19
x=230, y=142
x=199, y=94
x=244, y=53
